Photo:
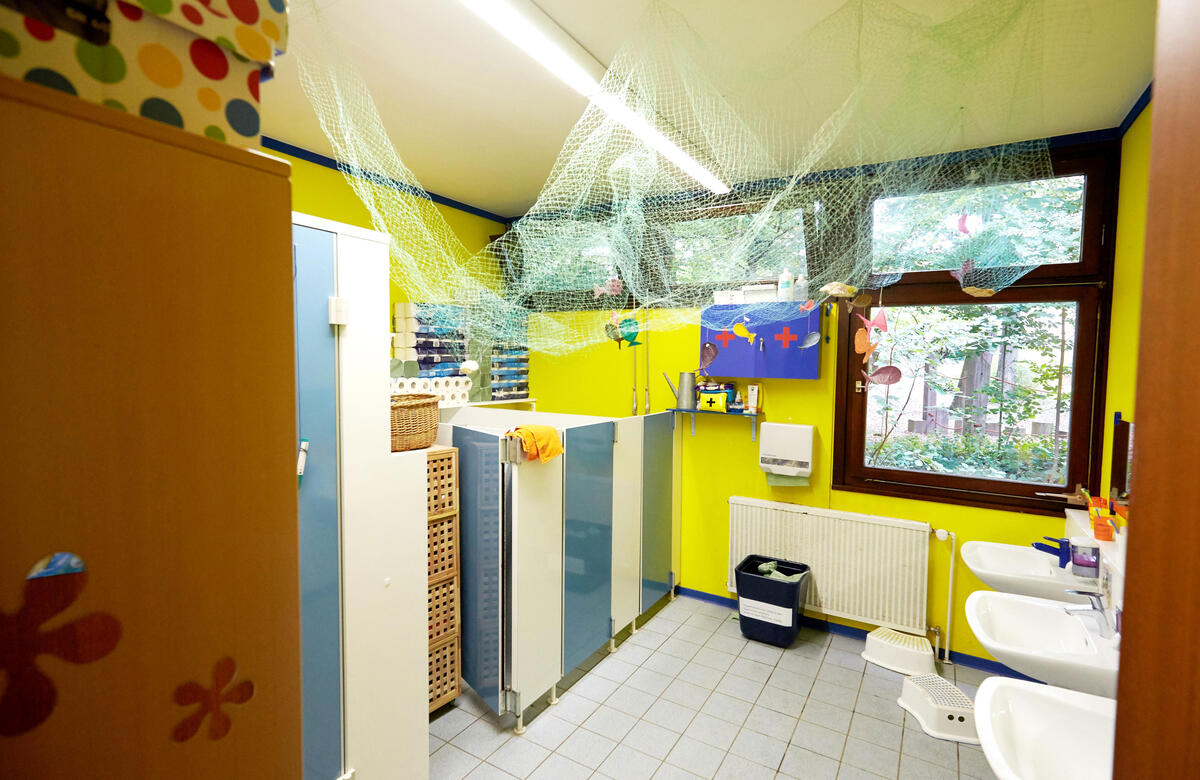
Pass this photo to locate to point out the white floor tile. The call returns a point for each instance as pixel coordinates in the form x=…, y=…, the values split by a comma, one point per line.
x=726, y=707
x=671, y=772
x=759, y=748
x=558, y=767
x=595, y=687
x=712, y=731
x=707, y=623
x=844, y=659
x=651, y=640
x=519, y=757
x=696, y=757
x=704, y=676
x=613, y=668
x=738, y=768
x=648, y=681
x=885, y=709
x=687, y=694
x=941, y=752
x=625, y=763
x=670, y=715
x=913, y=768
x=586, y=748
x=633, y=654
x=836, y=695
x=790, y=682
x=763, y=653
x=827, y=715
x=782, y=701
x=875, y=731
x=838, y=675
x=819, y=739
x=435, y=743
x=751, y=670
x=715, y=658
x=767, y=721
x=664, y=664
x=872, y=758
x=807, y=765
x=574, y=708
x=972, y=763
x=739, y=687
x=548, y=730
x=726, y=644
x=481, y=738
x=609, y=722
x=486, y=771
x=651, y=739
x=691, y=633
x=680, y=648
x=631, y=701
x=450, y=723
x=450, y=763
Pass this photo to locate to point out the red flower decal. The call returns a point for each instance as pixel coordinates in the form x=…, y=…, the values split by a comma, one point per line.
x=210, y=701
x=30, y=696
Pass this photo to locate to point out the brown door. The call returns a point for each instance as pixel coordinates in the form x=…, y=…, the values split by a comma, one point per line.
x=147, y=424
x=1158, y=696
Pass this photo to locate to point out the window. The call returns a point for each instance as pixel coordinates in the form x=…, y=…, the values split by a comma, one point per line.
x=701, y=251
x=999, y=400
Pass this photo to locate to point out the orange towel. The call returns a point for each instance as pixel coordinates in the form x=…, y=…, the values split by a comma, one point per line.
x=539, y=442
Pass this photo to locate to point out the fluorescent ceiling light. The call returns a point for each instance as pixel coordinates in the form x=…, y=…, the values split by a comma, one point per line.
x=536, y=41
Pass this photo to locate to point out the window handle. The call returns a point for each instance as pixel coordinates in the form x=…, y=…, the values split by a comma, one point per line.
x=860, y=386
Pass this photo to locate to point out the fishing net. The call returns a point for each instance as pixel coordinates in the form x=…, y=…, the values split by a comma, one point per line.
x=874, y=142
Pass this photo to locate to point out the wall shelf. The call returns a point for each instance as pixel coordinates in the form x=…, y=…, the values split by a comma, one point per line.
x=753, y=418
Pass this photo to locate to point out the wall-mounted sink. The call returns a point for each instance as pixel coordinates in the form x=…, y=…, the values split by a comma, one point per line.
x=1012, y=568
x=1040, y=638
x=1030, y=731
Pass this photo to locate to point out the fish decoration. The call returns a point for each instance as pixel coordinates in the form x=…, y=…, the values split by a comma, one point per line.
x=629, y=331
x=611, y=286
x=808, y=305
x=839, y=290
x=878, y=321
x=708, y=353
x=884, y=375
x=863, y=344
x=612, y=331
x=811, y=340
x=968, y=268
x=862, y=301
x=740, y=329
x=979, y=292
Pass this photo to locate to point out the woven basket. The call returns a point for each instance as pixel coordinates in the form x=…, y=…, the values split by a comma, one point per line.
x=414, y=421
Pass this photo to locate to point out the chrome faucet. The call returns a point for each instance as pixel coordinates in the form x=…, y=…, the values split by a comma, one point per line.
x=1095, y=607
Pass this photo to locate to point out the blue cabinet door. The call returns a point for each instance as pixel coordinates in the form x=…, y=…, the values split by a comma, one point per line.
x=320, y=596
x=481, y=552
x=587, y=541
x=658, y=446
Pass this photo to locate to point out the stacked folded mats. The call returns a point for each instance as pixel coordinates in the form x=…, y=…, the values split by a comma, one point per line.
x=429, y=347
x=510, y=372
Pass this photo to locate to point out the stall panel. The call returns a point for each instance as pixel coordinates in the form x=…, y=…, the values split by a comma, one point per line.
x=320, y=597
x=536, y=518
x=587, y=541
x=657, y=467
x=627, y=522
x=480, y=555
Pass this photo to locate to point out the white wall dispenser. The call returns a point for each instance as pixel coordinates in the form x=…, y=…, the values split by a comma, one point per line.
x=785, y=453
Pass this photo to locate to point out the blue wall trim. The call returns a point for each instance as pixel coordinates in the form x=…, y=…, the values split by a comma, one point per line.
x=316, y=158
x=1138, y=107
x=828, y=626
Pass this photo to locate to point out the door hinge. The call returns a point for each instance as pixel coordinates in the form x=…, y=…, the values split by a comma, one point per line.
x=511, y=450
x=338, y=310
x=615, y=429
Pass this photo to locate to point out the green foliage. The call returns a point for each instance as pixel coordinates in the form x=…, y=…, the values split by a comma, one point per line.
x=1023, y=458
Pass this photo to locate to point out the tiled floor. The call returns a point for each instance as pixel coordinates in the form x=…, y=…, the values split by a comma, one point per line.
x=688, y=696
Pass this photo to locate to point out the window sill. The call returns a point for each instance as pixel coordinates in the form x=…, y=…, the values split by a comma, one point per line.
x=1019, y=504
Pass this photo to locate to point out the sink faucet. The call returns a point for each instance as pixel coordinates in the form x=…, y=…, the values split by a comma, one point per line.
x=1095, y=607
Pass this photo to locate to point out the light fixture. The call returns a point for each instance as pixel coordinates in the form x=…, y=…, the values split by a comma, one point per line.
x=529, y=29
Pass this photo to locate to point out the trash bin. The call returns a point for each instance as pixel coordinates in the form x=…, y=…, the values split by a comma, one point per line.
x=769, y=610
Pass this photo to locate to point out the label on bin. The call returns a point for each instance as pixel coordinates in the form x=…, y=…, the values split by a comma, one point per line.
x=761, y=610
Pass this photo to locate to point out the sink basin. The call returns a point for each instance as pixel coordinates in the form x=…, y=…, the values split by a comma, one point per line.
x=1037, y=637
x=1030, y=731
x=1015, y=569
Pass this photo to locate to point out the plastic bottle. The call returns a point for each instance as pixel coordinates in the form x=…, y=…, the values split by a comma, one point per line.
x=786, y=291
x=801, y=289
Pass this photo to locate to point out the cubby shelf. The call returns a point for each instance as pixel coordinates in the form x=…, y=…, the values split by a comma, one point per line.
x=753, y=418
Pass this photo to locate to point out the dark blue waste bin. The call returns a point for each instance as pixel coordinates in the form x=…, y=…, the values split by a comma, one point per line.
x=769, y=610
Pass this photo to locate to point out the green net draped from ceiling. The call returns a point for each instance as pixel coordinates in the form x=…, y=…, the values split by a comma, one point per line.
x=873, y=142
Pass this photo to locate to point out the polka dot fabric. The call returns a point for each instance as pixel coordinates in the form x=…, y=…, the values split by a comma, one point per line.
x=163, y=61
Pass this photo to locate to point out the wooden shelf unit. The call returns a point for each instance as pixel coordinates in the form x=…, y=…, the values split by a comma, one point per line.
x=445, y=648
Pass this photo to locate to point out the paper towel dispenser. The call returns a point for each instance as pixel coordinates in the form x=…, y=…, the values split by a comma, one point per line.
x=786, y=450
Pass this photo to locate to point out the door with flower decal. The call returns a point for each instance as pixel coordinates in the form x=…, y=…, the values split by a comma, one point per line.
x=149, y=596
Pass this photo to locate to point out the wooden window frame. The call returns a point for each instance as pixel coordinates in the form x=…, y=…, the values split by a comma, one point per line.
x=1088, y=283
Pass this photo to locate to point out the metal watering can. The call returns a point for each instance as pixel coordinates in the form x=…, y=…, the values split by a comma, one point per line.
x=685, y=396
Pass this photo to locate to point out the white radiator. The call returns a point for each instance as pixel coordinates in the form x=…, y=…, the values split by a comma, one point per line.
x=866, y=568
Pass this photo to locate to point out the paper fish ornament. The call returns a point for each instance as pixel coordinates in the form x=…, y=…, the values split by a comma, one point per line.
x=629, y=331
x=862, y=343
x=839, y=290
x=861, y=301
x=708, y=353
x=613, y=332
x=740, y=329
x=885, y=375
x=810, y=340
x=968, y=267
x=611, y=286
x=808, y=305
x=979, y=292
x=878, y=321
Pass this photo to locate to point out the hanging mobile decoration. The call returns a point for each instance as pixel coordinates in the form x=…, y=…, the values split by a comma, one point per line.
x=839, y=290
x=740, y=329
x=884, y=375
x=613, y=331
x=629, y=331
x=968, y=268
x=863, y=344
x=708, y=353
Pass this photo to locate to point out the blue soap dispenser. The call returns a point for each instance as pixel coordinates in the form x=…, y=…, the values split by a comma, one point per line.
x=1062, y=551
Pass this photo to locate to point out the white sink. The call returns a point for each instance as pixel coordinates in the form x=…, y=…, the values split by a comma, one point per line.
x=1030, y=731
x=1037, y=637
x=1015, y=569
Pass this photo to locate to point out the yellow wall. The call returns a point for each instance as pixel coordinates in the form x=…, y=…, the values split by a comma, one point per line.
x=324, y=192
x=721, y=460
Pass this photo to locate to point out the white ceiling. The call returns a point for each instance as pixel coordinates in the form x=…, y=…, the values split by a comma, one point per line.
x=478, y=121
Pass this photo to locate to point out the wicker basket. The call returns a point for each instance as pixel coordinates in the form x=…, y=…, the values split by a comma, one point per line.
x=414, y=421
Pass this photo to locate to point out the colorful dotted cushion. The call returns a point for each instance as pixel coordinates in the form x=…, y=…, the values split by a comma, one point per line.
x=150, y=67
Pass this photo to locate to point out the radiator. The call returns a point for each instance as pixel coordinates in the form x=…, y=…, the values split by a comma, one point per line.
x=866, y=568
